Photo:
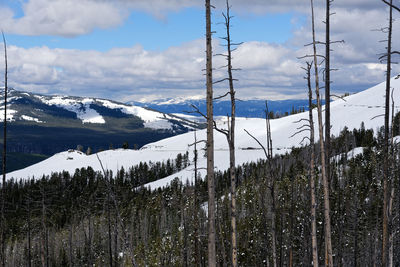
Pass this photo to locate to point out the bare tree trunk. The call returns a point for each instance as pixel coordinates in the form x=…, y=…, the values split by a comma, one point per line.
x=312, y=173
x=45, y=242
x=291, y=216
x=231, y=135
x=210, y=142
x=273, y=228
x=29, y=230
x=269, y=156
x=220, y=220
x=3, y=218
x=197, y=255
x=116, y=236
x=110, y=255
x=328, y=89
x=386, y=190
x=328, y=239
x=270, y=183
x=71, y=262
x=90, y=237
x=355, y=227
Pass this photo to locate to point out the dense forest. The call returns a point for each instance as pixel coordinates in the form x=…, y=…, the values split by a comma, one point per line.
x=333, y=202
x=91, y=219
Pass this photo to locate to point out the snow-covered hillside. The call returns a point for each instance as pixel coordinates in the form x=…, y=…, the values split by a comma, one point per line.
x=366, y=106
x=87, y=110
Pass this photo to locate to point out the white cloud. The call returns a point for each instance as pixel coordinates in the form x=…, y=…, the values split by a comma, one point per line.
x=62, y=17
x=268, y=70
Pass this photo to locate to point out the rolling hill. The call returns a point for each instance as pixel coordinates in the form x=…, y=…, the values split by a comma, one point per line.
x=366, y=106
x=40, y=124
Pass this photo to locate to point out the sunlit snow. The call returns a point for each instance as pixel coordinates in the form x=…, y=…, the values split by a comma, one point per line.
x=350, y=112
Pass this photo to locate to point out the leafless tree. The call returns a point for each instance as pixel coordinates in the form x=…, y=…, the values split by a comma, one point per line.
x=210, y=141
x=328, y=85
x=230, y=132
x=386, y=182
x=3, y=218
x=270, y=181
x=328, y=239
x=312, y=169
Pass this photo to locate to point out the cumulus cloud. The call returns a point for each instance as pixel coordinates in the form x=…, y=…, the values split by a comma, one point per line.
x=124, y=74
x=61, y=17
x=268, y=70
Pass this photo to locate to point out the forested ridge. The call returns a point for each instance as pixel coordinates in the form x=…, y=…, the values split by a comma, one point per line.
x=87, y=218
x=332, y=202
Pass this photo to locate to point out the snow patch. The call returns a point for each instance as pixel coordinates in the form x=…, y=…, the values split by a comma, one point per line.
x=81, y=108
x=28, y=118
x=152, y=119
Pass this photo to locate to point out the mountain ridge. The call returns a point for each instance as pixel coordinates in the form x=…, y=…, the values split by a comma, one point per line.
x=44, y=124
x=348, y=112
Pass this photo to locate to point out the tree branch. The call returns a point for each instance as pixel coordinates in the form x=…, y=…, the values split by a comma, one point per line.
x=259, y=143
x=391, y=5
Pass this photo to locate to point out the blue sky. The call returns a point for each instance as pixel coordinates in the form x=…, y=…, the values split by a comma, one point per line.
x=142, y=50
x=161, y=33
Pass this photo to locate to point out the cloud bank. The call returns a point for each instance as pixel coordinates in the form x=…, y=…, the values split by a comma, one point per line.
x=268, y=70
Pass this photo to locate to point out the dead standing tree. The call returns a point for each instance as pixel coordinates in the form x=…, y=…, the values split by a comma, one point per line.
x=3, y=218
x=386, y=231
x=328, y=239
x=388, y=193
x=312, y=166
x=230, y=132
x=270, y=181
x=210, y=141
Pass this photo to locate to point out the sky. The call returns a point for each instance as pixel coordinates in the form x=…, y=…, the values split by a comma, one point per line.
x=142, y=50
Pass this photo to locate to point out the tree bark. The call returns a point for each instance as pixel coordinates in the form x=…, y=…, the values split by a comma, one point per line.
x=3, y=218
x=312, y=173
x=328, y=239
x=231, y=136
x=210, y=142
x=328, y=89
x=386, y=190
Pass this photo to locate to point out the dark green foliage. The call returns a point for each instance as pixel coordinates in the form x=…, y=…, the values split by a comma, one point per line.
x=167, y=227
x=396, y=125
x=364, y=138
x=125, y=145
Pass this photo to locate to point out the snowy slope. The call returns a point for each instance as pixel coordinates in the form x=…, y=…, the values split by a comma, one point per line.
x=23, y=106
x=350, y=112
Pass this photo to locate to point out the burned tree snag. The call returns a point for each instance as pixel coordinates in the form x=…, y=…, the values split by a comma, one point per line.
x=328, y=239
x=210, y=142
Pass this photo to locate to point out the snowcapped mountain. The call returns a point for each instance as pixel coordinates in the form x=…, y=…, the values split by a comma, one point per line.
x=50, y=124
x=350, y=112
x=87, y=110
x=244, y=108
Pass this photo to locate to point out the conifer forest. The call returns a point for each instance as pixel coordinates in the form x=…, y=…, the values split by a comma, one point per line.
x=334, y=201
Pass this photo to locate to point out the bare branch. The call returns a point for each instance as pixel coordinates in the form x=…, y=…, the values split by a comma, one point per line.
x=316, y=42
x=336, y=42
x=223, y=131
x=222, y=80
x=198, y=142
x=259, y=143
x=222, y=96
x=305, y=138
x=377, y=116
x=307, y=120
x=391, y=5
x=299, y=132
x=310, y=56
x=304, y=125
x=341, y=97
x=197, y=110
